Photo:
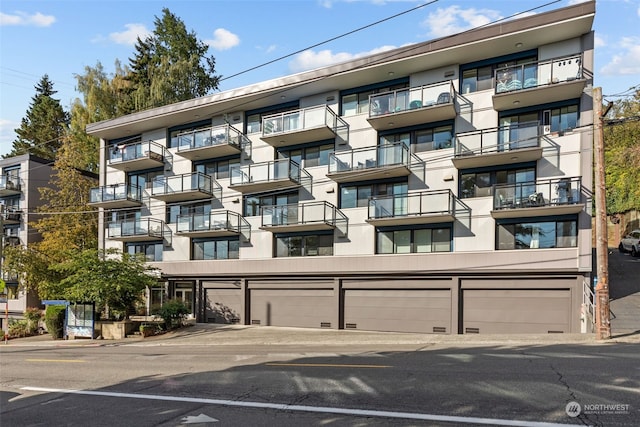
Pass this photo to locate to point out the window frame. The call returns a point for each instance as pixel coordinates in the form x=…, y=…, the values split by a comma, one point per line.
x=571, y=220
x=249, y=123
x=362, y=94
x=413, y=243
x=216, y=240
x=489, y=66
x=413, y=132
x=157, y=247
x=304, y=243
x=257, y=209
x=492, y=172
x=193, y=126
x=376, y=190
x=329, y=147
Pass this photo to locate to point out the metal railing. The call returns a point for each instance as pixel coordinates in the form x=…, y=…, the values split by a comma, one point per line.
x=550, y=192
x=303, y=213
x=401, y=100
x=302, y=119
x=9, y=182
x=194, y=181
x=115, y=192
x=498, y=139
x=274, y=170
x=211, y=137
x=137, y=151
x=371, y=157
x=214, y=221
x=138, y=227
x=540, y=73
x=432, y=202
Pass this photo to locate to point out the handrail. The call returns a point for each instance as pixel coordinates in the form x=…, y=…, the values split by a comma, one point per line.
x=548, y=192
x=269, y=171
x=212, y=136
x=401, y=100
x=115, y=192
x=498, y=139
x=538, y=73
x=302, y=119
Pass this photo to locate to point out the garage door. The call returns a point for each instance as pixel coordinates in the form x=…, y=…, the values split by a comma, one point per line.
x=304, y=308
x=223, y=306
x=498, y=311
x=411, y=310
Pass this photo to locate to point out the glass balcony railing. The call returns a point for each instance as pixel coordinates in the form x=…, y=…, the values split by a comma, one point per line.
x=139, y=229
x=12, y=216
x=115, y=193
x=540, y=193
x=188, y=183
x=144, y=154
x=9, y=184
x=424, y=203
x=501, y=139
x=265, y=172
x=399, y=101
x=320, y=116
x=217, y=222
x=370, y=157
x=223, y=139
x=540, y=73
x=301, y=214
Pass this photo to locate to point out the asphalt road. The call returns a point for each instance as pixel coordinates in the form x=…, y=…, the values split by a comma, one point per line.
x=624, y=291
x=442, y=384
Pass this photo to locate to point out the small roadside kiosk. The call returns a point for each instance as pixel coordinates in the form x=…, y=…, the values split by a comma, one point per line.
x=79, y=318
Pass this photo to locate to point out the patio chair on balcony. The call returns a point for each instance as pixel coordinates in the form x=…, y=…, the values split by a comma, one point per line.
x=415, y=104
x=444, y=98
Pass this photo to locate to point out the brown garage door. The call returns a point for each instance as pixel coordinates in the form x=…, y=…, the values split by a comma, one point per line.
x=304, y=308
x=411, y=310
x=223, y=306
x=499, y=311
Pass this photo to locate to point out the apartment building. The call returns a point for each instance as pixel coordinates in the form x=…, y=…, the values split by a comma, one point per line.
x=442, y=187
x=20, y=177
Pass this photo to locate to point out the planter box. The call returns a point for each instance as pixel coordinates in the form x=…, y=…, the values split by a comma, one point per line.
x=112, y=330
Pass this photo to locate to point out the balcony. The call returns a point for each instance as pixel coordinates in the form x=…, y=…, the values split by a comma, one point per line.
x=538, y=198
x=377, y=162
x=310, y=216
x=9, y=185
x=139, y=230
x=304, y=125
x=214, y=224
x=412, y=106
x=539, y=82
x=498, y=146
x=267, y=176
x=138, y=156
x=116, y=196
x=12, y=240
x=425, y=207
x=185, y=187
x=10, y=277
x=12, y=216
x=216, y=141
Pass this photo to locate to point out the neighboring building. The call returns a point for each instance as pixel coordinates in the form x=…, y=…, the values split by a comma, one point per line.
x=20, y=178
x=442, y=187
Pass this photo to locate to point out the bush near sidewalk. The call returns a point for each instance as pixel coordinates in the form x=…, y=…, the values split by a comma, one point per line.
x=54, y=319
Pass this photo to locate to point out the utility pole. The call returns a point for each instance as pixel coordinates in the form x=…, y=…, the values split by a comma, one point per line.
x=603, y=324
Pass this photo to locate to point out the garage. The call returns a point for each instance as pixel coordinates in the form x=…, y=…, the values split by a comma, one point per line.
x=223, y=302
x=398, y=310
x=516, y=311
x=296, y=304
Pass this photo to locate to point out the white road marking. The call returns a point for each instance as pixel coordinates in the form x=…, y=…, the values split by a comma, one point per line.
x=302, y=408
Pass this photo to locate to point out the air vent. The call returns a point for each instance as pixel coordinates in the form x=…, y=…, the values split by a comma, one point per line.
x=439, y=330
x=471, y=330
x=555, y=332
x=255, y=322
x=325, y=324
x=351, y=326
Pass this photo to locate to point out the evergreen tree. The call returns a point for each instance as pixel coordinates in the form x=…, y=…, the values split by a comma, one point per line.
x=42, y=129
x=171, y=65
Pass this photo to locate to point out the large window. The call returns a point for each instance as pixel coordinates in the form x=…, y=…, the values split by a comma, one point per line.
x=478, y=76
x=537, y=234
x=186, y=128
x=253, y=118
x=253, y=202
x=356, y=101
x=424, y=139
x=201, y=208
x=557, y=118
x=480, y=183
x=416, y=240
x=152, y=251
x=303, y=245
x=357, y=195
x=220, y=168
x=209, y=249
x=144, y=179
x=310, y=155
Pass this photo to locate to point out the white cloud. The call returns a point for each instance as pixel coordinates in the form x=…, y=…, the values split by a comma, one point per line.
x=572, y=2
x=309, y=59
x=223, y=39
x=23, y=18
x=599, y=42
x=453, y=19
x=627, y=62
x=130, y=35
x=7, y=134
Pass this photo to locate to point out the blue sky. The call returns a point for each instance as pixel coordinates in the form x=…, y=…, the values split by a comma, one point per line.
x=60, y=38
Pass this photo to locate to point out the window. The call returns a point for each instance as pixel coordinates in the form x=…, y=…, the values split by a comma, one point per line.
x=537, y=234
x=220, y=168
x=188, y=129
x=417, y=240
x=253, y=203
x=357, y=195
x=144, y=179
x=152, y=251
x=209, y=249
x=356, y=101
x=173, y=211
x=478, y=76
x=558, y=117
x=425, y=139
x=303, y=245
x=253, y=118
x=310, y=155
x=480, y=183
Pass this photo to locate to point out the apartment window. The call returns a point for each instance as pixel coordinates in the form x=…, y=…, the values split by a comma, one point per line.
x=422, y=139
x=126, y=215
x=219, y=169
x=144, y=179
x=11, y=203
x=253, y=118
x=152, y=251
x=557, y=117
x=12, y=291
x=480, y=183
x=295, y=245
x=173, y=211
x=478, y=76
x=254, y=202
x=413, y=240
x=211, y=249
x=358, y=194
x=534, y=234
x=175, y=141
x=310, y=155
x=356, y=101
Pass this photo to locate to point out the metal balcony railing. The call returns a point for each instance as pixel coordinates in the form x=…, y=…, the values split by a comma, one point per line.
x=144, y=229
x=540, y=73
x=540, y=193
x=213, y=137
x=275, y=170
x=217, y=221
x=424, y=203
x=499, y=139
x=378, y=156
x=138, y=151
x=402, y=100
x=319, y=212
x=302, y=119
x=185, y=183
x=115, y=192
x=9, y=183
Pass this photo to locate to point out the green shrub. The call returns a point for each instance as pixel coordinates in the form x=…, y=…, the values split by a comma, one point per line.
x=54, y=319
x=18, y=328
x=172, y=312
x=33, y=316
